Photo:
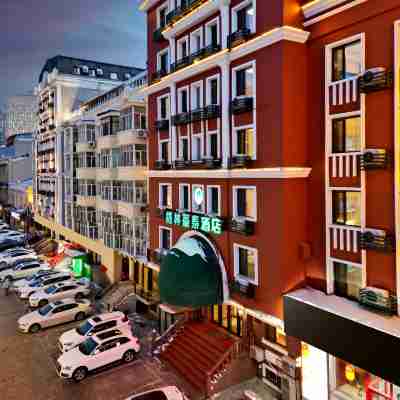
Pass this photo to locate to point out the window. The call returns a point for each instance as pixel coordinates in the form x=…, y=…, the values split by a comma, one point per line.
x=184, y=148
x=244, y=80
x=275, y=335
x=85, y=69
x=213, y=200
x=196, y=41
x=346, y=61
x=347, y=280
x=164, y=150
x=140, y=155
x=127, y=156
x=161, y=15
x=114, y=75
x=245, y=202
x=197, y=147
x=126, y=120
x=183, y=101
x=183, y=48
x=246, y=264
x=77, y=71
x=165, y=195
x=214, y=91
x=163, y=107
x=346, y=134
x=212, y=33
x=197, y=96
x=346, y=207
x=184, y=197
x=99, y=72
x=244, y=142
x=198, y=200
x=165, y=238
x=243, y=17
x=213, y=145
x=162, y=61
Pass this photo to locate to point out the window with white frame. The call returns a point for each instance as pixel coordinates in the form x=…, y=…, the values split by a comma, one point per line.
x=346, y=61
x=184, y=148
x=162, y=12
x=213, y=145
x=183, y=47
x=164, y=150
x=244, y=142
x=183, y=100
x=244, y=81
x=163, y=60
x=165, y=195
x=198, y=199
x=163, y=108
x=197, y=146
x=184, y=197
x=213, y=200
x=245, y=202
x=243, y=17
x=196, y=41
x=212, y=33
x=212, y=90
x=165, y=238
x=196, y=90
x=246, y=264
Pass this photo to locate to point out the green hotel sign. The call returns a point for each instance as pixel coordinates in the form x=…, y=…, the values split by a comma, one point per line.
x=196, y=222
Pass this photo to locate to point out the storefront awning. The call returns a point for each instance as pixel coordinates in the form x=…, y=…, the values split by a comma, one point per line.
x=346, y=330
x=190, y=275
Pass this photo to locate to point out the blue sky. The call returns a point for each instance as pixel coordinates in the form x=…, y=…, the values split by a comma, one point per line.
x=33, y=30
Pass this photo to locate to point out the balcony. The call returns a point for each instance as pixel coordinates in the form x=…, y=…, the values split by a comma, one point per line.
x=242, y=226
x=375, y=79
x=379, y=300
x=380, y=240
x=374, y=159
x=182, y=63
x=240, y=161
x=186, y=7
x=241, y=105
x=158, y=75
x=210, y=50
x=209, y=112
x=238, y=37
x=244, y=290
x=157, y=34
x=182, y=164
x=150, y=297
x=212, y=163
x=180, y=119
x=162, y=124
x=162, y=165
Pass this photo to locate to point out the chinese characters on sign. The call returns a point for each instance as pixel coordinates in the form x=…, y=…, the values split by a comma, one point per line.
x=196, y=222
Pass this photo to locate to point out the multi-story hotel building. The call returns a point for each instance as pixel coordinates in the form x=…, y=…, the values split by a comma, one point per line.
x=273, y=156
x=90, y=153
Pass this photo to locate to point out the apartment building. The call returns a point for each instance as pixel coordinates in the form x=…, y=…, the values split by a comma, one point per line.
x=273, y=187
x=71, y=94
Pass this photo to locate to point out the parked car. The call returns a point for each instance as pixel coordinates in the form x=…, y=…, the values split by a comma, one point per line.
x=164, y=393
x=74, y=289
x=93, y=326
x=22, y=270
x=36, y=276
x=8, y=252
x=16, y=255
x=56, y=313
x=95, y=353
x=3, y=225
x=12, y=235
x=25, y=292
x=10, y=243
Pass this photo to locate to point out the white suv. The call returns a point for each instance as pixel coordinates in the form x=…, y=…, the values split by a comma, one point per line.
x=63, y=290
x=95, y=353
x=164, y=393
x=93, y=326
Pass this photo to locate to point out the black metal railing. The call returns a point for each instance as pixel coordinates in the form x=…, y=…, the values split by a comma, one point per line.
x=180, y=119
x=179, y=12
x=379, y=300
x=212, y=111
x=157, y=34
x=242, y=226
x=211, y=163
x=211, y=49
x=162, y=164
x=241, y=105
x=181, y=63
x=375, y=79
x=239, y=161
x=374, y=159
x=158, y=75
x=162, y=124
x=181, y=164
x=247, y=290
x=238, y=37
x=381, y=242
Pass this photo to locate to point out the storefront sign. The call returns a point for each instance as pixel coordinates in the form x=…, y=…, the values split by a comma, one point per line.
x=196, y=222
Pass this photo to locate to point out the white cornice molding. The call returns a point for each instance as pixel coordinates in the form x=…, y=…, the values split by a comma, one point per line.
x=145, y=5
x=319, y=6
x=225, y=56
x=258, y=173
x=335, y=11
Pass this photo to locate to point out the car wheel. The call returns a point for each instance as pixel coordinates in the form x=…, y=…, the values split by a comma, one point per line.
x=129, y=356
x=79, y=374
x=80, y=316
x=3, y=264
x=35, y=328
x=79, y=296
x=43, y=302
x=8, y=278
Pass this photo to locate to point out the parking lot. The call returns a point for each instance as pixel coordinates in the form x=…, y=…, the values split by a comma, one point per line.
x=27, y=369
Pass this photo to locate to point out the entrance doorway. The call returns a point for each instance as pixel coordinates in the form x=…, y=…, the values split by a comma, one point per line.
x=125, y=269
x=228, y=317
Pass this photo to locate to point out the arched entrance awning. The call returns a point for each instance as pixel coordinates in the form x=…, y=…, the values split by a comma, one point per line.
x=193, y=274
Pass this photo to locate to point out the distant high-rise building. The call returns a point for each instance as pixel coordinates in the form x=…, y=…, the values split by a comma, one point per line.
x=20, y=115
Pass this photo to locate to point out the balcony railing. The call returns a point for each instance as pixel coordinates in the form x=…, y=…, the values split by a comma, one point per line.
x=157, y=34
x=182, y=164
x=377, y=240
x=242, y=105
x=180, y=119
x=208, y=112
x=181, y=63
x=238, y=37
x=158, y=75
x=375, y=79
x=378, y=299
x=212, y=163
x=162, y=124
x=245, y=290
x=162, y=164
x=345, y=238
x=242, y=226
x=147, y=295
x=240, y=161
x=186, y=7
x=374, y=159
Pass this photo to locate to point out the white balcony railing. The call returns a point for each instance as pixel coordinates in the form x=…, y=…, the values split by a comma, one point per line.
x=345, y=238
x=344, y=91
x=344, y=165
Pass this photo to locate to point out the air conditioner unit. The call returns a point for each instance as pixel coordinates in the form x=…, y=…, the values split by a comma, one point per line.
x=141, y=133
x=375, y=79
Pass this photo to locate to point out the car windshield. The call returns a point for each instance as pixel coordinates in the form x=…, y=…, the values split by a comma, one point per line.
x=84, y=328
x=87, y=346
x=45, y=310
x=50, y=289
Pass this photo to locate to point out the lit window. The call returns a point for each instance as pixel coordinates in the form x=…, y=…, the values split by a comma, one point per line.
x=348, y=280
x=165, y=196
x=246, y=264
x=244, y=143
x=244, y=82
x=346, y=207
x=198, y=200
x=245, y=203
x=244, y=17
x=346, y=134
x=165, y=238
x=346, y=61
x=184, y=197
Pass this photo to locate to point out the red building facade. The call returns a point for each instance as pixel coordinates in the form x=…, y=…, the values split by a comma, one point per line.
x=272, y=139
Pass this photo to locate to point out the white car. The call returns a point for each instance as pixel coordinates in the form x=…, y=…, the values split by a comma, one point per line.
x=22, y=270
x=44, y=282
x=73, y=289
x=56, y=313
x=9, y=252
x=93, y=326
x=11, y=235
x=164, y=393
x=3, y=225
x=15, y=255
x=36, y=276
x=95, y=353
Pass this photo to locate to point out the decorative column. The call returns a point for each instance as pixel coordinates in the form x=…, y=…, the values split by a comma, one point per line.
x=172, y=90
x=225, y=114
x=225, y=11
